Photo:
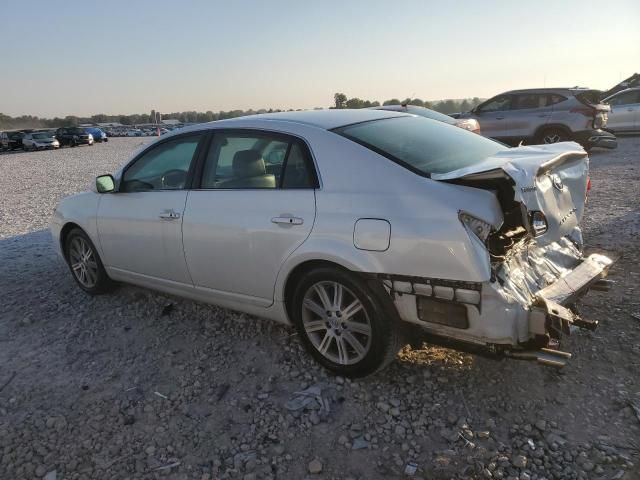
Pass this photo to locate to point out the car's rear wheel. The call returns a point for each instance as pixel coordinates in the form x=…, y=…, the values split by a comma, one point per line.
x=85, y=264
x=343, y=324
x=552, y=135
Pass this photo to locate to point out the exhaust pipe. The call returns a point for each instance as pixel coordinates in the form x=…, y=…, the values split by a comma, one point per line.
x=545, y=356
x=602, y=285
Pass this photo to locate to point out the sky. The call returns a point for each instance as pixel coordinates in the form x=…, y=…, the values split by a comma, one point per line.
x=123, y=57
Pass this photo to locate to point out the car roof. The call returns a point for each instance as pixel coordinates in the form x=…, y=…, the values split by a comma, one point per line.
x=326, y=119
x=632, y=89
x=549, y=90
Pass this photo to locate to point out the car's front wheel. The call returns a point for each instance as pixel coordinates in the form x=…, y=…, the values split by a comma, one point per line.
x=343, y=323
x=85, y=264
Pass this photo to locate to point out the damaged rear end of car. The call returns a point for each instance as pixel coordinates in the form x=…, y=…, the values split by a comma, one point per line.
x=538, y=268
x=506, y=274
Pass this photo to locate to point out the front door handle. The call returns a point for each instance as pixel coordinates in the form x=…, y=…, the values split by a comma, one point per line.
x=288, y=220
x=499, y=118
x=169, y=215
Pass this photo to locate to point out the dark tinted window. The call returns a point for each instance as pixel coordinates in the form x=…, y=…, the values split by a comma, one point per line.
x=554, y=98
x=524, y=101
x=425, y=146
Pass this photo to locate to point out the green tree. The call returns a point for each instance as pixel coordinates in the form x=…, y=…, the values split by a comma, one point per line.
x=393, y=101
x=340, y=99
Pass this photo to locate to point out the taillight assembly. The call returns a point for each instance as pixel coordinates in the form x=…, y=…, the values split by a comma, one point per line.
x=586, y=194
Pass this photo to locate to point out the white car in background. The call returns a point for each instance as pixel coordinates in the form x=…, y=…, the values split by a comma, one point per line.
x=39, y=141
x=465, y=123
x=624, y=116
x=353, y=225
x=134, y=132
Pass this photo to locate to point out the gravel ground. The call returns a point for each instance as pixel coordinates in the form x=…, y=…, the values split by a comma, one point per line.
x=121, y=387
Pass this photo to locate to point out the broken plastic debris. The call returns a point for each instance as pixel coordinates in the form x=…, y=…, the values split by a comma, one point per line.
x=410, y=469
x=313, y=398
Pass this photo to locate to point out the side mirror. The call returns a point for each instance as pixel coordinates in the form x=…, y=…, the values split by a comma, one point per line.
x=105, y=184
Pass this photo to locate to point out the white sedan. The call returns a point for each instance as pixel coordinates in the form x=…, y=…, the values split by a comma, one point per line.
x=352, y=225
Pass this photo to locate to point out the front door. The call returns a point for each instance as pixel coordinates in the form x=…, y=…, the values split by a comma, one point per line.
x=254, y=207
x=140, y=225
x=492, y=116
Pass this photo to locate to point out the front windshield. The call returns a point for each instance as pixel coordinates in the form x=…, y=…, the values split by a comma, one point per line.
x=422, y=145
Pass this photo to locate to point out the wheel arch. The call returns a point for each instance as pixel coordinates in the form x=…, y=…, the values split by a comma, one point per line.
x=64, y=233
x=296, y=273
x=549, y=126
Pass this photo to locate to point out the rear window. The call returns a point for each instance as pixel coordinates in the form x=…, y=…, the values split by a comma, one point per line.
x=422, y=145
x=589, y=97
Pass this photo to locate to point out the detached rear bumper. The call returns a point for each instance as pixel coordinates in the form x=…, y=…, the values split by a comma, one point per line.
x=548, y=316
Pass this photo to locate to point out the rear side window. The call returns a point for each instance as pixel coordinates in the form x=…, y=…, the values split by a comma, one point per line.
x=554, y=98
x=525, y=101
x=256, y=160
x=422, y=145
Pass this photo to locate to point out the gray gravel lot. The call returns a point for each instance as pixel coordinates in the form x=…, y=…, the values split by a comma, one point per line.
x=110, y=387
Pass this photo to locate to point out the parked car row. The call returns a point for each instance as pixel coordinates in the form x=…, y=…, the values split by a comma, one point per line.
x=136, y=132
x=47, y=139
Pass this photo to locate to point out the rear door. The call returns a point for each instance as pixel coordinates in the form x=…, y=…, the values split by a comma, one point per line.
x=254, y=206
x=625, y=111
x=529, y=112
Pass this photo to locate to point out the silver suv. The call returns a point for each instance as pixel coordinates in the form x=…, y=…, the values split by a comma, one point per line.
x=545, y=115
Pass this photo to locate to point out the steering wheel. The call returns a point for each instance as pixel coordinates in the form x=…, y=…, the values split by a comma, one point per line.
x=173, y=178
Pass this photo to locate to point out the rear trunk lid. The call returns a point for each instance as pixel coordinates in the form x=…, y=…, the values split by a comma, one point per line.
x=548, y=181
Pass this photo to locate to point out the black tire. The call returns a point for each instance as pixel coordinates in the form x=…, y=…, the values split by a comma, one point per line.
x=375, y=315
x=552, y=135
x=102, y=282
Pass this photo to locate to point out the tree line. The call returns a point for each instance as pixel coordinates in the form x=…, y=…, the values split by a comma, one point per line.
x=444, y=106
x=340, y=101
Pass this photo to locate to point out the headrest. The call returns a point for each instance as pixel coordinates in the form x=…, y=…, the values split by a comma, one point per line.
x=248, y=163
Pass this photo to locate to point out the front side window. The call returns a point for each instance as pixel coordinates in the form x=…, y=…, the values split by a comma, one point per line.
x=254, y=161
x=422, y=145
x=163, y=167
x=497, y=104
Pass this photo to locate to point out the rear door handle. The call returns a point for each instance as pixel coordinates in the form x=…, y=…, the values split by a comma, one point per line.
x=499, y=118
x=169, y=215
x=288, y=220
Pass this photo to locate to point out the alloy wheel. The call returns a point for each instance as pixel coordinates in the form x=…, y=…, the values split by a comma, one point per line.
x=83, y=262
x=552, y=138
x=336, y=322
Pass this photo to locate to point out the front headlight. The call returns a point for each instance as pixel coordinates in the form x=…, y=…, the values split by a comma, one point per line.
x=479, y=228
